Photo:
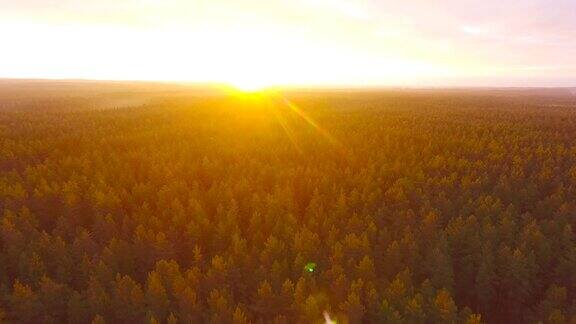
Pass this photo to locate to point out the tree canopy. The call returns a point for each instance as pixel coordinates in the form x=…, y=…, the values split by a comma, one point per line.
x=366, y=208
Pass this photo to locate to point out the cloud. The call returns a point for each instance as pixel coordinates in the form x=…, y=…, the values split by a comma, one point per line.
x=349, y=8
x=475, y=30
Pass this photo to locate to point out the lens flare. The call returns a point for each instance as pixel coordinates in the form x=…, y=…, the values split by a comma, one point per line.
x=327, y=318
x=311, y=122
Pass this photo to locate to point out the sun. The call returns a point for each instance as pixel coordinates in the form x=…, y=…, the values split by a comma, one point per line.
x=250, y=85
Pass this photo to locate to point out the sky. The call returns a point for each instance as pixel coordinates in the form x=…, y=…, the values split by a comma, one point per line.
x=256, y=43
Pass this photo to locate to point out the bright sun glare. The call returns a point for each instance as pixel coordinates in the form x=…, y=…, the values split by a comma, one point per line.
x=247, y=85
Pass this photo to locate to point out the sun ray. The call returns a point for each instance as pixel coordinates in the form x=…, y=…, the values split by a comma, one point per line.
x=287, y=130
x=310, y=121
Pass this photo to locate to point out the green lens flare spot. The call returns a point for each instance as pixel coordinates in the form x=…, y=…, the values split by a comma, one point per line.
x=310, y=267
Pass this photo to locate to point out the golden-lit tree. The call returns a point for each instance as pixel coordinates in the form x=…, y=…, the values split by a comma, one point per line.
x=396, y=207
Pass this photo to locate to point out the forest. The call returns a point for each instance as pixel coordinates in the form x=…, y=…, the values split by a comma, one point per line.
x=165, y=204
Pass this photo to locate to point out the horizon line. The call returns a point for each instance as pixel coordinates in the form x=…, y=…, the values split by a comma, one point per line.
x=214, y=84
